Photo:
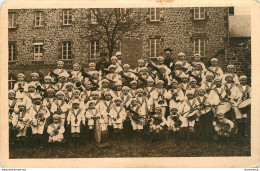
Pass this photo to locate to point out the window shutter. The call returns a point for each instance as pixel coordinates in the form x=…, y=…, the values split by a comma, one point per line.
x=43, y=23
x=206, y=15
x=148, y=15
x=158, y=13
x=89, y=15
x=192, y=14
x=60, y=50
x=72, y=54
x=72, y=17
x=61, y=17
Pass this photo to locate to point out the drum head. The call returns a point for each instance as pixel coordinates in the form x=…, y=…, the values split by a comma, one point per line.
x=244, y=103
x=97, y=131
x=205, y=110
x=224, y=108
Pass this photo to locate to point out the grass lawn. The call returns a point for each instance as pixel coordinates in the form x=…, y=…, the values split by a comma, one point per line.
x=143, y=148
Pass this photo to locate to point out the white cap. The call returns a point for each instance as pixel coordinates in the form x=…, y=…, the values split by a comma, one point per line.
x=35, y=74
x=114, y=57
x=60, y=92
x=118, y=53
x=181, y=54
x=214, y=59
x=20, y=75
x=242, y=77
x=60, y=62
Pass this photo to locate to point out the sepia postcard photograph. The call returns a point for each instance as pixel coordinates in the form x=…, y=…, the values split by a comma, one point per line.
x=129, y=83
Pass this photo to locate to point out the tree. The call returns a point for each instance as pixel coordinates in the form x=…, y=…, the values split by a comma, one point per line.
x=111, y=24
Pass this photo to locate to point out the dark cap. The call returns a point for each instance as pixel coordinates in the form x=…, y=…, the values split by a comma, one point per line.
x=167, y=50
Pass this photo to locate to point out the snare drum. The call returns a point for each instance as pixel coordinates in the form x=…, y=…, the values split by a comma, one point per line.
x=101, y=131
x=224, y=108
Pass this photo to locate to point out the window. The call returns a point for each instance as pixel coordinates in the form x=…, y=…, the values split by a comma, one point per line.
x=154, y=14
x=11, y=20
x=94, y=48
x=199, y=13
x=12, y=49
x=154, y=48
x=67, y=17
x=38, y=51
x=11, y=82
x=199, y=46
x=38, y=19
x=93, y=17
x=231, y=11
x=66, y=50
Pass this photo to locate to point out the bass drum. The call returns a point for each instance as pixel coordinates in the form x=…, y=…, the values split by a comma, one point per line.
x=244, y=103
x=205, y=110
x=101, y=131
x=223, y=108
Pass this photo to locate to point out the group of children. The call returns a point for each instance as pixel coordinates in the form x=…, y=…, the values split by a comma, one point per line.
x=182, y=99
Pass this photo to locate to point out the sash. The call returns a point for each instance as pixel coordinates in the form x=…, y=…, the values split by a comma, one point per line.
x=118, y=112
x=219, y=93
x=191, y=105
x=149, y=92
x=40, y=108
x=108, y=105
x=143, y=100
x=75, y=115
x=13, y=104
x=44, y=86
x=126, y=100
x=244, y=93
x=203, y=101
x=57, y=104
x=93, y=113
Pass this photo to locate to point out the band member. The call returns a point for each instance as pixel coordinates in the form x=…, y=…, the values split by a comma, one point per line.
x=76, y=95
x=104, y=87
x=197, y=58
x=60, y=85
x=60, y=106
x=193, y=86
x=160, y=95
x=143, y=76
x=118, y=90
x=184, y=64
x=46, y=85
x=30, y=94
x=244, y=94
x=11, y=101
x=231, y=71
x=86, y=94
x=198, y=73
x=140, y=65
x=20, y=88
x=157, y=123
x=105, y=107
x=35, y=81
x=38, y=115
x=173, y=120
x=77, y=71
x=95, y=80
x=113, y=77
x=223, y=126
x=133, y=88
x=118, y=115
x=56, y=130
x=178, y=73
x=189, y=112
x=177, y=95
x=118, y=67
x=59, y=71
x=126, y=75
x=119, y=57
x=48, y=101
x=148, y=91
x=75, y=119
x=184, y=84
x=68, y=92
x=126, y=97
x=215, y=69
x=205, y=116
x=91, y=114
x=137, y=115
x=94, y=98
x=103, y=64
x=208, y=85
x=20, y=122
x=162, y=75
x=160, y=63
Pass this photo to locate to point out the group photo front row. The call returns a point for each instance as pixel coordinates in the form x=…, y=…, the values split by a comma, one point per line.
x=158, y=100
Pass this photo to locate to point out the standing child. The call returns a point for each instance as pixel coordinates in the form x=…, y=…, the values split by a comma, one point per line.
x=56, y=131
x=38, y=115
x=157, y=123
x=75, y=119
x=20, y=122
x=118, y=115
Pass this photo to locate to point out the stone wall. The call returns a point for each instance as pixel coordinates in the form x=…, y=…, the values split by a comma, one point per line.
x=176, y=29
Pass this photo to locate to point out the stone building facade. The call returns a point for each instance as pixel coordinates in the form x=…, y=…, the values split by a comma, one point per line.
x=38, y=38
